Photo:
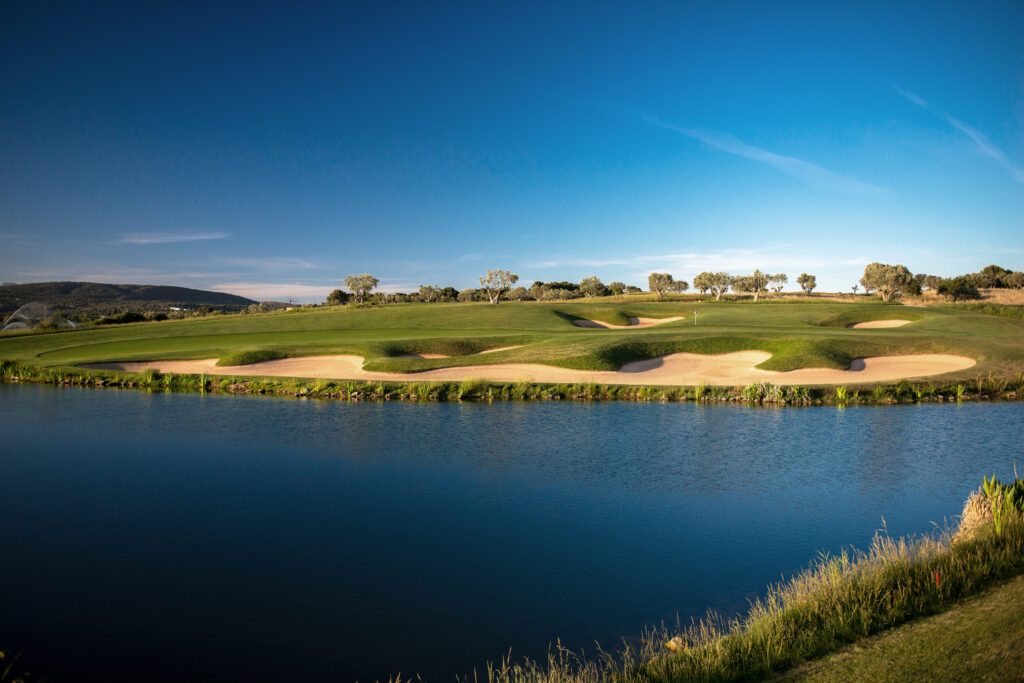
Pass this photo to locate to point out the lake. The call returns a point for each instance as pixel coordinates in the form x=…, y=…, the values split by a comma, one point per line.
x=169, y=537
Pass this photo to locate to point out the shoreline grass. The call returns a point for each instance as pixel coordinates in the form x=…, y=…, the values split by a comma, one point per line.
x=836, y=601
x=759, y=393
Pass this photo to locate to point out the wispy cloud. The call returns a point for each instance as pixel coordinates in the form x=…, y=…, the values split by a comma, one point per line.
x=983, y=144
x=8, y=236
x=466, y=258
x=271, y=263
x=170, y=237
x=813, y=175
x=778, y=257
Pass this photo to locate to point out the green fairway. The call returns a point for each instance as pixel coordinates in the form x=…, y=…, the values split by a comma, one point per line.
x=803, y=334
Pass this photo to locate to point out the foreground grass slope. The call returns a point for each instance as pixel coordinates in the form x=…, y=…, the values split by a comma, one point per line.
x=980, y=639
x=797, y=334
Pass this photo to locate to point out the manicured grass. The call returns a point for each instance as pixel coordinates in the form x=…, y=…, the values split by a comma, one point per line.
x=804, y=334
x=979, y=639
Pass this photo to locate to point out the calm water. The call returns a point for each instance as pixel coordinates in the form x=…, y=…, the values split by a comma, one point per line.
x=183, y=537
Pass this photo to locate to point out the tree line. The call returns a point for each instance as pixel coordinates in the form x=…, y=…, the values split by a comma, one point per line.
x=498, y=283
x=885, y=280
x=893, y=281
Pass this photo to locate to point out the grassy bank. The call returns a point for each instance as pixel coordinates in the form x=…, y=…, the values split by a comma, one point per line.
x=980, y=388
x=838, y=600
x=979, y=639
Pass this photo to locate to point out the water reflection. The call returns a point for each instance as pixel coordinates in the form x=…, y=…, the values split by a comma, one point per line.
x=287, y=539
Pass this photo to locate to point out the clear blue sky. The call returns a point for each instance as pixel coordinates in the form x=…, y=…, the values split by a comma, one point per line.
x=270, y=150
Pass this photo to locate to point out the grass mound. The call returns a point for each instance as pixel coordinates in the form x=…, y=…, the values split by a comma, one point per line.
x=852, y=317
x=248, y=357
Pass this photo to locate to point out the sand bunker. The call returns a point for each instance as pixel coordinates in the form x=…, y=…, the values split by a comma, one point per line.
x=875, y=324
x=728, y=369
x=634, y=323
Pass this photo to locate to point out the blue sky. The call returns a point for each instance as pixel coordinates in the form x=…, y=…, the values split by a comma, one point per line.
x=270, y=151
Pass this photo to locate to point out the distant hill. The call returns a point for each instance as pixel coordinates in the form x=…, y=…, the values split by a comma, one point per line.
x=95, y=298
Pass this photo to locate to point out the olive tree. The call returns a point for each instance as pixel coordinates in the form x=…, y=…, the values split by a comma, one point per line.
x=807, y=283
x=931, y=282
x=496, y=282
x=592, y=286
x=1014, y=280
x=720, y=284
x=616, y=287
x=360, y=285
x=887, y=280
x=701, y=282
x=518, y=294
x=429, y=293
x=778, y=282
x=716, y=283
x=659, y=283
x=755, y=283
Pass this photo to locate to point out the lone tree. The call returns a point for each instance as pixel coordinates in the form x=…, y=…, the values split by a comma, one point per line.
x=360, y=285
x=337, y=297
x=755, y=283
x=887, y=280
x=496, y=282
x=592, y=286
x=659, y=283
x=807, y=283
x=778, y=281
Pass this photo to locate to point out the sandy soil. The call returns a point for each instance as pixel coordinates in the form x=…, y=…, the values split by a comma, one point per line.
x=727, y=369
x=875, y=324
x=634, y=323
